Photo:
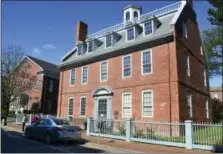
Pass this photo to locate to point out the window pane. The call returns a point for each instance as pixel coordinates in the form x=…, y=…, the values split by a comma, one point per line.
x=108, y=40
x=104, y=71
x=146, y=61
x=83, y=106
x=70, y=106
x=84, y=74
x=72, y=77
x=127, y=66
x=147, y=103
x=51, y=86
x=90, y=46
x=130, y=34
x=148, y=28
x=189, y=103
x=79, y=50
x=127, y=105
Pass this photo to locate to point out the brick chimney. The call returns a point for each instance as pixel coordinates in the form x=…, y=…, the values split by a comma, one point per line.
x=81, y=31
x=190, y=2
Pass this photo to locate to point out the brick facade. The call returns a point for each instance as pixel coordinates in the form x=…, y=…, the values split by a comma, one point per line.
x=167, y=80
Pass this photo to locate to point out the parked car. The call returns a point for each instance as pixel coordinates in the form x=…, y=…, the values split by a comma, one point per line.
x=52, y=130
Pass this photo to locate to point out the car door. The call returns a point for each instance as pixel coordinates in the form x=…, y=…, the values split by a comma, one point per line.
x=45, y=127
x=36, y=130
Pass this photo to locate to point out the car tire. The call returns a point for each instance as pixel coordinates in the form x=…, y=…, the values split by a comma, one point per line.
x=48, y=138
x=27, y=134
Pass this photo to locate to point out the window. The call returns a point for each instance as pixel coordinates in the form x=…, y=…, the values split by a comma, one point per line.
x=135, y=14
x=104, y=71
x=90, y=46
x=83, y=106
x=70, y=106
x=72, y=77
x=108, y=41
x=127, y=16
x=130, y=34
x=201, y=48
x=126, y=105
x=147, y=103
x=207, y=108
x=187, y=66
x=102, y=108
x=146, y=60
x=79, y=50
x=184, y=29
x=126, y=62
x=148, y=28
x=37, y=84
x=189, y=104
x=51, y=86
x=205, y=79
x=84, y=75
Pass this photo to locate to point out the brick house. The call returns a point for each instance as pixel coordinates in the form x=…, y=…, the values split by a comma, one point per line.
x=150, y=67
x=45, y=86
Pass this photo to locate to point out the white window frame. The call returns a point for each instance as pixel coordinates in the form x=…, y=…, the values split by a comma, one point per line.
x=111, y=41
x=188, y=65
x=82, y=71
x=69, y=105
x=201, y=48
x=123, y=104
x=74, y=77
x=205, y=78
x=134, y=33
x=92, y=47
x=81, y=49
x=147, y=50
x=144, y=91
x=144, y=28
x=207, y=108
x=190, y=104
x=85, y=106
x=106, y=69
x=125, y=77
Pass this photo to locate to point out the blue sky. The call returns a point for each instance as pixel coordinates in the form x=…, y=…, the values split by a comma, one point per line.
x=46, y=30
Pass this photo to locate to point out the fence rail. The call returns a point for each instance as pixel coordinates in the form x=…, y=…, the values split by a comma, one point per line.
x=188, y=134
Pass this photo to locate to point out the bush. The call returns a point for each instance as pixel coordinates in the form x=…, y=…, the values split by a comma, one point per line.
x=122, y=130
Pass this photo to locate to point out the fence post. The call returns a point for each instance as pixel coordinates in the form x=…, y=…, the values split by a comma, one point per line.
x=88, y=125
x=128, y=130
x=189, y=134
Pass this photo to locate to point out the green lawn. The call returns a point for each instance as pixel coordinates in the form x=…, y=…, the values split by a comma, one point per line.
x=208, y=136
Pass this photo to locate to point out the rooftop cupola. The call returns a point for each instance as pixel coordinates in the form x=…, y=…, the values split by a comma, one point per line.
x=130, y=12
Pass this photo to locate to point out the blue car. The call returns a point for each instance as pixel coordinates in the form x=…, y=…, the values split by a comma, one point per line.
x=52, y=130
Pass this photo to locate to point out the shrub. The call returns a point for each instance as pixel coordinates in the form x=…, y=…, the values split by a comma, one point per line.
x=217, y=110
x=122, y=130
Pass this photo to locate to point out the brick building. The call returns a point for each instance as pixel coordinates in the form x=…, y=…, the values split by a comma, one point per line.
x=45, y=87
x=149, y=67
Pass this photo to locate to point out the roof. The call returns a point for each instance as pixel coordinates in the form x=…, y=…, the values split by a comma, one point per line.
x=163, y=30
x=46, y=66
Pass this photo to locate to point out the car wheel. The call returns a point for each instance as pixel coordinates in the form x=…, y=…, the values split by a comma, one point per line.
x=48, y=139
x=71, y=142
x=27, y=134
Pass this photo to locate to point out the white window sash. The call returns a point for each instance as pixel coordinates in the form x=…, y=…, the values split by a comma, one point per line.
x=207, y=108
x=151, y=67
x=84, y=75
x=188, y=66
x=126, y=107
x=205, y=79
x=68, y=108
x=103, y=73
x=123, y=68
x=83, y=97
x=71, y=78
x=142, y=103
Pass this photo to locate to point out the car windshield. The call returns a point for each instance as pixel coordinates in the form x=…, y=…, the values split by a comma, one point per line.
x=61, y=122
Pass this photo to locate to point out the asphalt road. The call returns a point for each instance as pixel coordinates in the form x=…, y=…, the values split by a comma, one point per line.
x=15, y=142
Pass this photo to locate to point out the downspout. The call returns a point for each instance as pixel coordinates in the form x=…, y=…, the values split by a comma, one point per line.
x=61, y=88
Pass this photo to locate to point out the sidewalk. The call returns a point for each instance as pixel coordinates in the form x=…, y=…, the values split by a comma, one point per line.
x=127, y=146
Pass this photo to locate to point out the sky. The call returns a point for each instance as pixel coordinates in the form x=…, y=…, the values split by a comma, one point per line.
x=46, y=30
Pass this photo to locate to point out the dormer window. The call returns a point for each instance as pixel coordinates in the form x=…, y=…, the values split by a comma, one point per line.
x=130, y=34
x=108, y=41
x=148, y=29
x=127, y=17
x=135, y=15
x=184, y=29
x=79, y=50
x=90, y=47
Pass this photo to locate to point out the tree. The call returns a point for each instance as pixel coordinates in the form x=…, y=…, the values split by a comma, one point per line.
x=217, y=110
x=216, y=13
x=212, y=41
x=15, y=80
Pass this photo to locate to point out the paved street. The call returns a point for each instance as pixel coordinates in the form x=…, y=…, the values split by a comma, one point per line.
x=13, y=141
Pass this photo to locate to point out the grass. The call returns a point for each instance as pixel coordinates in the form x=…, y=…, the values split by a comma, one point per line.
x=208, y=136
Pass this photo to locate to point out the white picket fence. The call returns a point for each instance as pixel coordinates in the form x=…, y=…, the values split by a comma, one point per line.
x=188, y=134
